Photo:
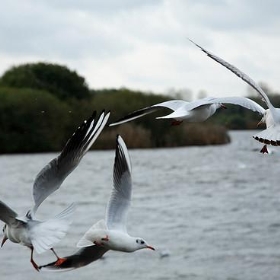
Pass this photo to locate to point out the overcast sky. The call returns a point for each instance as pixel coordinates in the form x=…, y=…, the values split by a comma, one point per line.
x=142, y=45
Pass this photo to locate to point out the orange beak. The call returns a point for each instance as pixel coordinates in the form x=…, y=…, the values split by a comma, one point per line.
x=4, y=240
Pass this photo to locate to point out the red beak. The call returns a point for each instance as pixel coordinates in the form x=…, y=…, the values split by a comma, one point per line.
x=223, y=106
x=4, y=240
x=150, y=247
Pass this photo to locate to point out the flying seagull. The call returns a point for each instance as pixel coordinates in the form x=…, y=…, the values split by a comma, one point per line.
x=271, y=116
x=195, y=111
x=38, y=235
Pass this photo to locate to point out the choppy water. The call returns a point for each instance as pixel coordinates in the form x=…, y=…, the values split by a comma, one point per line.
x=214, y=210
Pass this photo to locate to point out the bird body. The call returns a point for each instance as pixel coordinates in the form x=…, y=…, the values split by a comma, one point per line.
x=271, y=116
x=195, y=111
x=38, y=235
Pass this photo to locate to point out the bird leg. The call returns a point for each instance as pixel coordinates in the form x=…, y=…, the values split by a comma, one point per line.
x=264, y=150
x=32, y=261
x=175, y=122
x=59, y=260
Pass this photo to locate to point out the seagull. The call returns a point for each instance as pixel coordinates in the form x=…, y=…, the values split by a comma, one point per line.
x=39, y=235
x=271, y=116
x=111, y=233
x=34, y=234
x=195, y=111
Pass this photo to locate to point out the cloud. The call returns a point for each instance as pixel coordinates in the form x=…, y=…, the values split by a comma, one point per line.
x=142, y=44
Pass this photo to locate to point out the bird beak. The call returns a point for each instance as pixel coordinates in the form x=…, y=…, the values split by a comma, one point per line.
x=223, y=106
x=150, y=247
x=4, y=240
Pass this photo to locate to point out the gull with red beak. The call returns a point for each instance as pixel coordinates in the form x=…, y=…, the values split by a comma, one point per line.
x=38, y=235
x=196, y=111
x=271, y=116
x=111, y=233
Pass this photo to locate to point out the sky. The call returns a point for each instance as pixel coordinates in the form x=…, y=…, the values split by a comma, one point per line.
x=143, y=45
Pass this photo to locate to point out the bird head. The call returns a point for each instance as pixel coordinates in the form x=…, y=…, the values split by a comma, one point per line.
x=142, y=244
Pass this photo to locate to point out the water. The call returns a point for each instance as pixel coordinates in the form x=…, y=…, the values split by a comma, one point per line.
x=213, y=212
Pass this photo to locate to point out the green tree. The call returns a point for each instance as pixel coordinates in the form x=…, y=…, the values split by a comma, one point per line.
x=54, y=78
x=31, y=121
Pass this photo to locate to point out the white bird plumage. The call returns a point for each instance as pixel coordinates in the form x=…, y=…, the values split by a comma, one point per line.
x=111, y=233
x=38, y=235
x=271, y=116
x=195, y=111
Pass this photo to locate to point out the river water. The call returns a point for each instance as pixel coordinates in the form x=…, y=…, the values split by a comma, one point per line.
x=211, y=212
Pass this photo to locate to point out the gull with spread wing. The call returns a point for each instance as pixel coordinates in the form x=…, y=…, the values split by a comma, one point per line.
x=271, y=116
x=111, y=233
x=38, y=235
x=195, y=111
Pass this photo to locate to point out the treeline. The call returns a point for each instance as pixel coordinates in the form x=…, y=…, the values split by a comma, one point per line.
x=42, y=104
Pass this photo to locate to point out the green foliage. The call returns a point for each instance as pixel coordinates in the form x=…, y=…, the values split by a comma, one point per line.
x=42, y=104
x=54, y=78
x=31, y=121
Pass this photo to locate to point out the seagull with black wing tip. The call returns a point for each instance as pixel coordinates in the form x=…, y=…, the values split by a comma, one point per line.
x=271, y=116
x=195, y=111
x=38, y=235
x=111, y=233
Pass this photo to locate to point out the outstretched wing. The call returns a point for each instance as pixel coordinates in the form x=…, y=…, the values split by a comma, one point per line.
x=53, y=174
x=79, y=259
x=119, y=202
x=171, y=104
x=7, y=215
x=235, y=100
x=240, y=74
x=44, y=235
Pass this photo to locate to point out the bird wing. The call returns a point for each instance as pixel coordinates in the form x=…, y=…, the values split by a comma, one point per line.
x=240, y=74
x=53, y=174
x=44, y=235
x=7, y=215
x=117, y=208
x=79, y=259
x=171, y=104
x=235, y=100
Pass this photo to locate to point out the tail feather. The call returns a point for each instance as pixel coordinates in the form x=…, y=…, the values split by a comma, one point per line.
x=45, y=234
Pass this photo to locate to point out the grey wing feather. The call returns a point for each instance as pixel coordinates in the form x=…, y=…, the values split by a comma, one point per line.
x=53, y=174
x=241, y=101
x=79, y=259
x=238, y=73
x=171, y=104
x=235, y=100
x=119, y=202
x=7, y=215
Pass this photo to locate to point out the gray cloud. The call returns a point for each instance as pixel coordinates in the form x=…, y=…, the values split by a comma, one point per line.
x=143, y=43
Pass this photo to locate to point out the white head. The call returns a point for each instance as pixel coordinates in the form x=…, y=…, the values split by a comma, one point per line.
x=142, y=244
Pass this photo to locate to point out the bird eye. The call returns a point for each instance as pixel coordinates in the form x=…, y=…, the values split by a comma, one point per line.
x=142, y=242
